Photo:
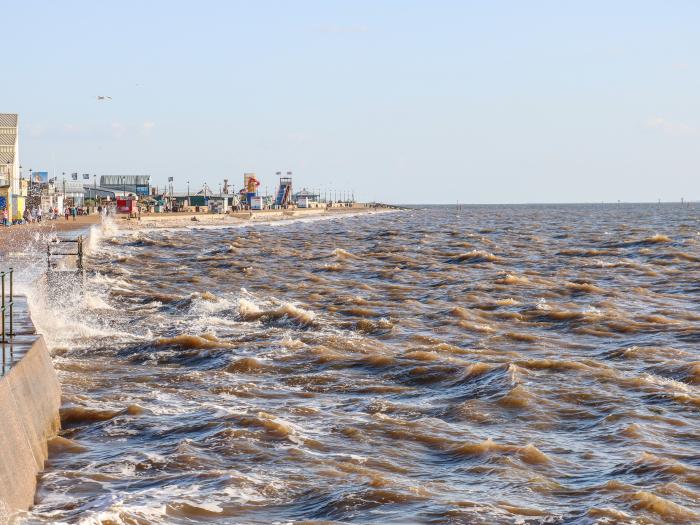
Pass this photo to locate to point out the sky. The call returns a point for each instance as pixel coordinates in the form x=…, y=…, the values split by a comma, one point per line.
x=397, y=101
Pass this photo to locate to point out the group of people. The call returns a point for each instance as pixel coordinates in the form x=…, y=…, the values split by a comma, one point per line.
x=72, y=211
x=104, y=211
x=37, y=214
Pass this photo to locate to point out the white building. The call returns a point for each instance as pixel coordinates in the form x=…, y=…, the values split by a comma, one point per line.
x=10, y=197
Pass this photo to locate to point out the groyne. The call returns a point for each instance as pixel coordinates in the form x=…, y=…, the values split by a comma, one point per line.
x=30, y=397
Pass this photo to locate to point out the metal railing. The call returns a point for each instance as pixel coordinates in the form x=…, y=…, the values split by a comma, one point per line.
x=62, y=248
x=7, y=311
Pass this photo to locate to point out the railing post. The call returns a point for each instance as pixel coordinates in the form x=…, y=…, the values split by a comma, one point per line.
x=3, y=313
x=12, y=305
x=80, y=252
x=2, y=277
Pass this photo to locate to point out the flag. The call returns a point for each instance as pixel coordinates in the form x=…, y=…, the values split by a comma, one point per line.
x=86, y=176
x=74, y=176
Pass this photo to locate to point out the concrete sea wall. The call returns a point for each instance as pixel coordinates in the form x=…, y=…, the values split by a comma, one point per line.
x=30, y=397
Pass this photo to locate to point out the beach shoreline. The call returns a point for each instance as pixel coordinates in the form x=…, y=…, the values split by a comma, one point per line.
x=184, y=219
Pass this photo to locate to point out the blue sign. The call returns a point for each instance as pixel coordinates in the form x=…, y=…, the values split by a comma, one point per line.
x=40, y=177
x=3, y=203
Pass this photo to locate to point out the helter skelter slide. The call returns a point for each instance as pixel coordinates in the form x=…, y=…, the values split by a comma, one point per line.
x=284, y=192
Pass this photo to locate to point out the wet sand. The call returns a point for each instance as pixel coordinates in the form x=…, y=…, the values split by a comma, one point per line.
x=184, y=220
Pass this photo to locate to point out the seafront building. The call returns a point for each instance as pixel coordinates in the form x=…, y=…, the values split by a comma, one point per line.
x=73, y=193
x=12, y=198
x=125, y=184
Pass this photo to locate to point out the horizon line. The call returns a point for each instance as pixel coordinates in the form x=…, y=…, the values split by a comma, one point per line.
x=553, y=203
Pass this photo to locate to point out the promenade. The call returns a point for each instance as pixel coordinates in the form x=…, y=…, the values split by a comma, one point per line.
x=22, y=238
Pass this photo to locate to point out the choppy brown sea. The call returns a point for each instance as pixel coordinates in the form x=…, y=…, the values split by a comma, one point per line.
x=482, y=365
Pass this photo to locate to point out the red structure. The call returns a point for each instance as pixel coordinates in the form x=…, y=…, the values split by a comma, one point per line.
x=126, y=206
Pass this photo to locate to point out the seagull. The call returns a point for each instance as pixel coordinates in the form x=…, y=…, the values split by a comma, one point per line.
x=103, y=97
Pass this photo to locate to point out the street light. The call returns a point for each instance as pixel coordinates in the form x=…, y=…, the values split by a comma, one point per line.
x=188, y=193
x=9, y=179
x=94, y=197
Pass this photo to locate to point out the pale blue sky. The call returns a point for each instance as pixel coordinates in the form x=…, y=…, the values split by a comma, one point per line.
x=402, y=101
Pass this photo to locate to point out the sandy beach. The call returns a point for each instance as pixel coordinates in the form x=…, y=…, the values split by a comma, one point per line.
x=26, y=238
x=179, y=220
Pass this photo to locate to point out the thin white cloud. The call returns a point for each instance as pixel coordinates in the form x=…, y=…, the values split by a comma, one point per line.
x=670, y=127
x=71, y=129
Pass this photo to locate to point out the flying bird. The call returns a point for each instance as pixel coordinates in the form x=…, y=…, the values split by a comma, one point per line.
x=103, y=97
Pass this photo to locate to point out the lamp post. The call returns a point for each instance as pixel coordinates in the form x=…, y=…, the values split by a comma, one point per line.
x=8, y=202
x=20, y=191
x=124, y=186
x=188, y=193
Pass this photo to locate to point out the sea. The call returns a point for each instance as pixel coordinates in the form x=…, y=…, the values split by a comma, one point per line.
x=529, y=364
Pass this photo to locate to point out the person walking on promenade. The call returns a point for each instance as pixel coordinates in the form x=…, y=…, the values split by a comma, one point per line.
x=38, y=214
x=5, y=216
x=74, y=211
x=66, y=211
x=25, y=216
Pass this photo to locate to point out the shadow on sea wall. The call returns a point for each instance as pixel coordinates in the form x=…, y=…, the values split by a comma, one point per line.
x=30, y=396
